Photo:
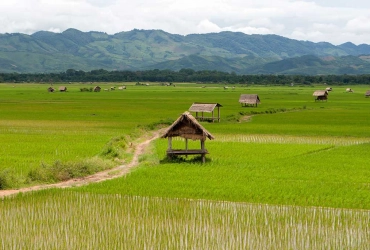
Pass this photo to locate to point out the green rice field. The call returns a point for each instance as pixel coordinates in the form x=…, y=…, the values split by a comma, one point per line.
x=291, y=173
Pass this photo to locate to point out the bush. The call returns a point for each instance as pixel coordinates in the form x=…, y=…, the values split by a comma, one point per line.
x=62, y=171
x=7, y=179
x=114, y=148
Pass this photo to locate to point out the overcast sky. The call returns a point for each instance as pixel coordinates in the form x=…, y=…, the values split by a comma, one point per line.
x=334, y=21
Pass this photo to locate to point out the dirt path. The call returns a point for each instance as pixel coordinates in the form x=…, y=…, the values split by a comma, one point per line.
x=97, y=177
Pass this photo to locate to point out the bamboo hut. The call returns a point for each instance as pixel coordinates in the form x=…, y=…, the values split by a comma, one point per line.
x=202, y=108
x=97, y=89
x=349, y=90
x=62, y=89
x=328, y=89
x=187, y=127
x=321, y=95
x=51, y=89
x=249, y=100
x=367, y=94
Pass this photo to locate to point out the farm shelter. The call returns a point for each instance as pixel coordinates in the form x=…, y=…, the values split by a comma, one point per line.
x=367, y=94
x=249, y=100
x=349, y=90
x=97, y=89
x=202, y=108
x=51, y=89
x=328, y=89
x=187, y=127
x=321, y=95
x=62, y=89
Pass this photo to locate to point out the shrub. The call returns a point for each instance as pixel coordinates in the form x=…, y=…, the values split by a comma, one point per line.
x=7, y=179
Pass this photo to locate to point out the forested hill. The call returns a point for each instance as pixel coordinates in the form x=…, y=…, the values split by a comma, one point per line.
x=155, y=49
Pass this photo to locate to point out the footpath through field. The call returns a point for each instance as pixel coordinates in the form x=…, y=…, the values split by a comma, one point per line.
x=97, y=177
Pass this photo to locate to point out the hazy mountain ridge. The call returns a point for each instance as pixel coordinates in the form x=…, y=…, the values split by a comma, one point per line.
x=46, y=51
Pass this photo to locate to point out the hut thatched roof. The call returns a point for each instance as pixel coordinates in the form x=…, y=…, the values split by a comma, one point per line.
x=249, y=99
x=367, y=93
x=62, y=88
x=320, y=93
x=187, y=126
x=203, y=107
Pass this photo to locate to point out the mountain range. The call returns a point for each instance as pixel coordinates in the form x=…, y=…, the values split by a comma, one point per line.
x=138, y=50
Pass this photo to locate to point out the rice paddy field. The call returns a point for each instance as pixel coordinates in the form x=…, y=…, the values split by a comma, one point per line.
x=291, y=173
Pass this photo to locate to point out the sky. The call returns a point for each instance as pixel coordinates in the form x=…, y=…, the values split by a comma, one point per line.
x=333, y=21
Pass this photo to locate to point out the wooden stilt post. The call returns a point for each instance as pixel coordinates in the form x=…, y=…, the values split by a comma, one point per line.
x=218, y=112
x=169, y=147
x=186, y=146
x=202, y=147
x=169, y=143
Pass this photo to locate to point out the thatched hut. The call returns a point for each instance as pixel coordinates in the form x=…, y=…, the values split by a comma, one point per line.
x=62, y=89
x=321, y=95
x=328, y=89
x=367, y=94
x=349, y=90
x=51, y=89
x=202, y=108
x=97, y=89
x=186, y=126
x=249, y=100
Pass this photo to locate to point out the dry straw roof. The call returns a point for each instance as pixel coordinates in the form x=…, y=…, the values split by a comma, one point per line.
x=367, y=93
x=203, y=107
x=249, y=98
x=320, y=93
x=187, y=126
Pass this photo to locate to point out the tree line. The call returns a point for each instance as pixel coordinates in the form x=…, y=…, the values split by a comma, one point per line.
x=183, y=75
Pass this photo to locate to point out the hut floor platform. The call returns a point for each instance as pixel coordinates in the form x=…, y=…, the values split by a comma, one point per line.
x=212, y=119
x=173, y=152
x=187, y=152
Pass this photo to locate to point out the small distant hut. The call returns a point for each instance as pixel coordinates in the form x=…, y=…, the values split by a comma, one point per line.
x=202, y=108
x=349, y=90
x=249, y=100
x=121, y=87
x=62, y=88
x=367, y=94
x=321, y=95
x=187, y=127
x=328, y=89
x=51, y=89
x=97, y=89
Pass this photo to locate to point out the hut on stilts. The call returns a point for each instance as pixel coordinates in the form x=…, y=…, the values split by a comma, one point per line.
x=321, y=95
x=249, y=100
x=201, y=108
x=187, y=127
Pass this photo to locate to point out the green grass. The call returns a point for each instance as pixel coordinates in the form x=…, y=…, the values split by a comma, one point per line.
x=38, y=128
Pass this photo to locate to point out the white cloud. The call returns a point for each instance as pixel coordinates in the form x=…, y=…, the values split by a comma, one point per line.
x=335, y=21
x=205, y=26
